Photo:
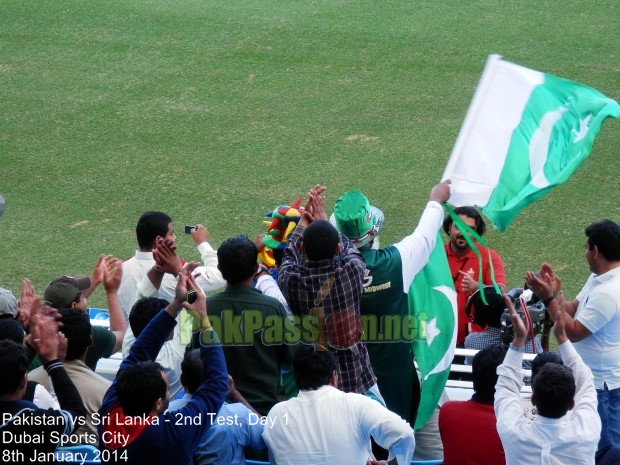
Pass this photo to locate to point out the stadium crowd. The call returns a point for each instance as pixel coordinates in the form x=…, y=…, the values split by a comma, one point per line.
x=274, y=366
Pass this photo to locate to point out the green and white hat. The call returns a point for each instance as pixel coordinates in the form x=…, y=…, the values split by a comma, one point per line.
x=356, y=218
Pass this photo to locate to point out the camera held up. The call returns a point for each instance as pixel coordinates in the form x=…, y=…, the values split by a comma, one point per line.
x=535, y=308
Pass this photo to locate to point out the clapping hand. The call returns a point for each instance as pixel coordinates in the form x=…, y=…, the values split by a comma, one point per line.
x=165, y=256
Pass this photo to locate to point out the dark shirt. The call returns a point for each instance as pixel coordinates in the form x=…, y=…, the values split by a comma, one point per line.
x=26, y=428
x=244, y=320
x=172, y=437
x=331, y=286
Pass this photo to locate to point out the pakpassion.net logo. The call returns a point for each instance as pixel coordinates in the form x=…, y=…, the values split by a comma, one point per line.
x=343, y=328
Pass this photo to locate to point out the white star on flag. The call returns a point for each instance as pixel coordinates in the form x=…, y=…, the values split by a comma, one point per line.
x=432, y=331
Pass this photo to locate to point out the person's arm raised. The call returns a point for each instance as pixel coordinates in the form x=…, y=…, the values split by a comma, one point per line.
x=111, y=283
x=97, y=276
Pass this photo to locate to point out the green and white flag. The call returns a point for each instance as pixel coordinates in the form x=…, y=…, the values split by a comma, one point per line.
x=432, y=300
x=524, y=132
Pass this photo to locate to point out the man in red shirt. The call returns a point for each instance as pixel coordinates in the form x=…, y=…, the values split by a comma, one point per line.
x=464, y=266
x=467, y=428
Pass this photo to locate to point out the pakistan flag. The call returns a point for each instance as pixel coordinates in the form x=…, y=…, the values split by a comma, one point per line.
x=525, y=132
x=432, y=300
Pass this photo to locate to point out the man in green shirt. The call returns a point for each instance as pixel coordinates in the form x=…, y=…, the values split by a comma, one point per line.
x=389, y=274
x=242, y=316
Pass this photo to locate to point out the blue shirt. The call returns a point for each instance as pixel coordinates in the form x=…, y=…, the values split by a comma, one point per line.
x=164, y=441
x=234, y=428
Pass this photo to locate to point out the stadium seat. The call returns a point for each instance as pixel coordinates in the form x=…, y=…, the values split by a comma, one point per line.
x=69, y=454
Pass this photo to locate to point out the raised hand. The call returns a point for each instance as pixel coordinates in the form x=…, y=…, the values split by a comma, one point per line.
x=114, y=273
x=200, y=304
x=558, y=314
x=542, y=285
x=200, y=234
x=165, y=256
x=520, y=329
x=98, y=274
x=318, y=202
x=441, y=192
x=549, y=276
x=315, y=209
x=467, y=283
x=25, y=303
x=44, y=333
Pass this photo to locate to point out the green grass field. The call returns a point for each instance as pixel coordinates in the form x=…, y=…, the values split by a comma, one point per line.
x=216, y=112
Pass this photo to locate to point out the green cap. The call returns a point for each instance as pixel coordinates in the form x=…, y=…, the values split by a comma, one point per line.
x=356, y=218
x=62, y=291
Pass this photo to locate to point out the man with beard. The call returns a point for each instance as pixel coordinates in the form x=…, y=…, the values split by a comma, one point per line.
x=464, y=266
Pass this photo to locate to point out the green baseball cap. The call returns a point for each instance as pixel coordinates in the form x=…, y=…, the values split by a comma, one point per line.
x=62, y=291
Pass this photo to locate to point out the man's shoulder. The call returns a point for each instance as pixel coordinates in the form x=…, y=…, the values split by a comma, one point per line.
x=467, y=407
x=137, y=263
x=234, y=408
x=249, y=295
x=13, y=409
x=38, y=374
x=101, y=333
x=609, y=282
x=376, y=258
x=474, y=338
x=490, y=335
x=79, y=372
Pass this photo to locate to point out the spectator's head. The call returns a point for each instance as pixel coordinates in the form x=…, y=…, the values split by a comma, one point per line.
x=357, y=219
x=13, y=366
x=67, y=292
x=603, y=241
x=152, y=225
x=8, y=304
x=314, y=368
x=76, y=328
x=470, y=217
x=542, y=359
x=143, y=389
x=553, y=390
x=237, y=259
x=191, y=371
x=484, y=372
x=11, y=330
x=320, y=241
x=488, y=314
x=143, y=311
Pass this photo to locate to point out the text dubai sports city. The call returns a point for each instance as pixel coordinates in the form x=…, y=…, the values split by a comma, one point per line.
x=233, y=329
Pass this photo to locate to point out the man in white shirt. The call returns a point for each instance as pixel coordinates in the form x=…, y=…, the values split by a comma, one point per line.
x=324, y=425
x=567, y=428
x=592, y=320
x=143, y=277
x=141, y=270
